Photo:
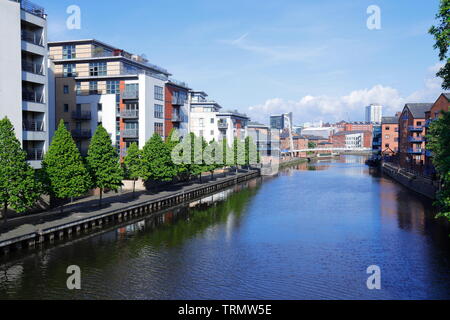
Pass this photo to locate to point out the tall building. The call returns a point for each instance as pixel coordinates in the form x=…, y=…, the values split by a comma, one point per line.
x=374, y=113
x=24, y=75
x=96, y=83
x=282, y=121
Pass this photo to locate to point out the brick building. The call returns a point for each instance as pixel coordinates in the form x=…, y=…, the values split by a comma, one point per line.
x=352, y=139
x=389, y=135
x=358, y=126
x=411, y=140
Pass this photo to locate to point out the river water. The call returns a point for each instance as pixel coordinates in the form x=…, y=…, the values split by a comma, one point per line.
x=310, y=233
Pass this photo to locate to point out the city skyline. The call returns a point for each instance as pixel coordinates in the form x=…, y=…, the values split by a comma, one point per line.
x=231, y=57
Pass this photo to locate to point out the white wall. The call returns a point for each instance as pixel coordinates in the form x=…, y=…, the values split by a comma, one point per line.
x=10, y=65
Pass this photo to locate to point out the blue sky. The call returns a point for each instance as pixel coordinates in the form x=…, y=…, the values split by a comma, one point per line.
x=316, y=58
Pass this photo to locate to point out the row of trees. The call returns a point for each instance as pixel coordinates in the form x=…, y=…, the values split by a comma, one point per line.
x=66, y=174
x=439, y=133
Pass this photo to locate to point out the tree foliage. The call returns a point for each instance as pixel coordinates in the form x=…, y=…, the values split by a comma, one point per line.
x=181, y=167
x=438, y=141
x=157, y=164
x=441, y=33
x=64, y=173
x=19, y=188
x=133, y=164
x=103, y=162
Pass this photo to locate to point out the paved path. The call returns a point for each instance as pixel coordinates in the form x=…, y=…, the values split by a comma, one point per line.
x=89, y=207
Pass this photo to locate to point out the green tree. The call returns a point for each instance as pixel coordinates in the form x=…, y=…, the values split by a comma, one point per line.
x=133, y=164
x=157, y=163
x=181, y=167
x=251, y=152
x=103, y=163
x=441, y=33
x=212, y=157
x=196, y=162
x=19, y=188
x=238, y=150
x=312, y=145
x=63, y=170
x=438, y=141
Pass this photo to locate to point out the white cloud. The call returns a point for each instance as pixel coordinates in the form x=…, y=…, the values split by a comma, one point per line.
x=347, y=107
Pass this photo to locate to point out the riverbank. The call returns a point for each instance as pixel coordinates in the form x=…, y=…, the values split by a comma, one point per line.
x=85, y=218
x=421, y=185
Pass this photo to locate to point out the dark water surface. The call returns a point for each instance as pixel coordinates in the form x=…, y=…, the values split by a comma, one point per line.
x=309, y=233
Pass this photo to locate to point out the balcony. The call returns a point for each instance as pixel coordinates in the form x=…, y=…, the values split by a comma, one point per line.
x=176, y=101
x=32, y=8
x=81, y=134
x=88, y=92
x=177, y=118
x=222, y=125
x=129, y=114
x=32, y=97
x=81, y=115
x=415, y=128
x=416, y=139
x=415, y=151
x=32, y=37
x=130, y=133
x=35, y=154
x=32, y=125
x=130, y=95
x=31, y=67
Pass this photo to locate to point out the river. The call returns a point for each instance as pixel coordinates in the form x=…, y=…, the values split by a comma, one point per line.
x=309, y=233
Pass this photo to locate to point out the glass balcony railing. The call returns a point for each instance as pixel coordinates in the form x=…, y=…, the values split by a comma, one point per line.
x=130, y=133
x=35, y=154
x=32, y=125
x=32, y=37
x=415, y=128
x=81, y=134
x=81, y=115
x=32, y=8
x=222, y=125
x=129, y=114
x=33, y=67
x=415, y=151
x=416, y=139
x=30, y=96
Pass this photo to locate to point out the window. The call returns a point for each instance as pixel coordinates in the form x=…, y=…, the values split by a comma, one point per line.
x=66, y=107
x=212, y=120
x=93, y=87
x=99, y=107
x=159, y=114
x=66, y=89
x=78, y=88
x=200, y=122
x=387, y=128
x=159, y=95
x=97, y=69
x=69, y=70
x=212, y=132
x=201, y=133
x=159, y=128
x=69, y=52
x=112, y=87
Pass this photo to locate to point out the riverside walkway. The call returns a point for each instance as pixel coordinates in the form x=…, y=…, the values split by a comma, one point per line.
x=26, y=231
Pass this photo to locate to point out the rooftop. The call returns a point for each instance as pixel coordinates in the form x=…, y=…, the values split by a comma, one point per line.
x=32, y=8
x=418, y=109
x=389, y=120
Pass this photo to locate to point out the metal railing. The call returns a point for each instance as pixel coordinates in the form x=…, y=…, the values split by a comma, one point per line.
x=222, y=125
x=32, y=97
x=176, y=101
x=35, y=154
x=130, y=94
x=32, y=8
x=32, y=125
x=416, y=151
x=416, y=139
x=81, y=134
x=130, y=133
x=129, y=114
x=33, y=67
x=32, y=37
x=415, y=128
x=179, y=83
x=177, y=118
x=81, y=115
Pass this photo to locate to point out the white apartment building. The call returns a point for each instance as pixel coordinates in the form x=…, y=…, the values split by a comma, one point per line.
x=97, y=83
x=354, y=140
x=374, y=113
x=207, y=120
x=24, y=75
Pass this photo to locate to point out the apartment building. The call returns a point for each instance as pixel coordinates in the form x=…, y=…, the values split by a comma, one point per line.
x=176, y=108
x=358, y=126
x=232, y=124
x=96, y=83
x=299, y=143
x=282, y=121
x=203, y=120
x=389, y=135
x=411, y=142
x=24, y=75
x=352, y=139
x=261, y=135
x=374, y=113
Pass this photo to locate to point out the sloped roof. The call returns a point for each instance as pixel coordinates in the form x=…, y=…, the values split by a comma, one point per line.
x=418, y=109
x=389, y=120
x=447, y=95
